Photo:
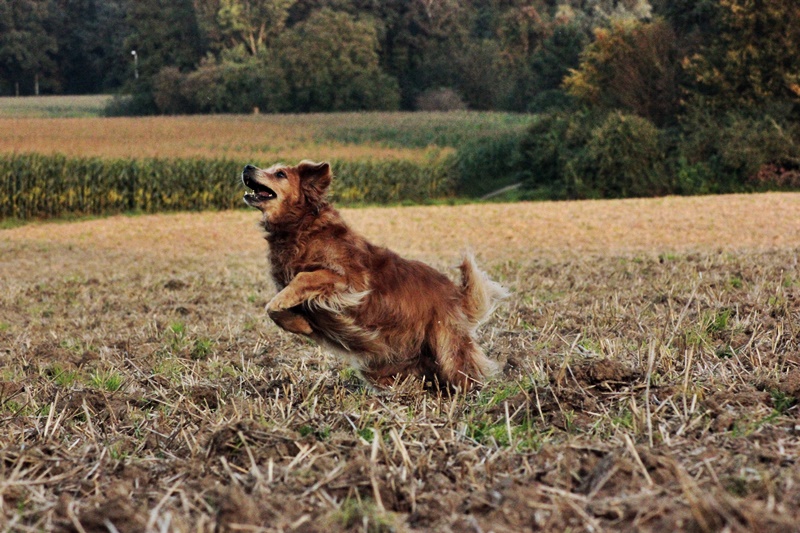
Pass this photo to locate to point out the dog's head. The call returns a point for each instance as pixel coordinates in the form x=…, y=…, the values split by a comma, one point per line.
x=284, y=193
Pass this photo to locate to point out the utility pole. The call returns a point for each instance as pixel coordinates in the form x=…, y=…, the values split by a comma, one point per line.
x=135, y=64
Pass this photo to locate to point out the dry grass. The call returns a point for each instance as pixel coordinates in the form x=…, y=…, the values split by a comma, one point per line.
x=263, y=138
x=651, y=383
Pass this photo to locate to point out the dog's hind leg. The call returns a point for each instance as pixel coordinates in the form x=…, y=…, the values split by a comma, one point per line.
x=460, y=361
x=304, y=287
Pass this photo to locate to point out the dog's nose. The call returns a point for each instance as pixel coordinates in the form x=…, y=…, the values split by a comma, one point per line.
x=248, y=169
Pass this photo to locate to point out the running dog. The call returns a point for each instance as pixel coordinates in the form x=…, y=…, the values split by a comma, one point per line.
x=389, y=316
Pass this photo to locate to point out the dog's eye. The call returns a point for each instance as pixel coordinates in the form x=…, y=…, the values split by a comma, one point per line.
x=280, y=174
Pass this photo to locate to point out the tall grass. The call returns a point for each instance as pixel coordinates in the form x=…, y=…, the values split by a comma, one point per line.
x=94, y=166
x=49, y=186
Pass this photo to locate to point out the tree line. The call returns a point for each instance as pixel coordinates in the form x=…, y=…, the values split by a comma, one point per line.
x=631, y=97
x=183, y=56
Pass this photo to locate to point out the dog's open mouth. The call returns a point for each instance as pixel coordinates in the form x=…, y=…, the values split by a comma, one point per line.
x=260, y=193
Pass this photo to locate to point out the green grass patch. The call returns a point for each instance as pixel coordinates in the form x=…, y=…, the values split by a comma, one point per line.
x=54, y=106
x=108, y=380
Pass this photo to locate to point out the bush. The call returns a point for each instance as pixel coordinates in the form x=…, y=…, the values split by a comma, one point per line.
x=487, y=163
x=550, y=101
x=584, y=155
x=736, y=152
x=239, y=83
x=624, y=157
x=549, y=152
x=137, y=104
x=168, y=92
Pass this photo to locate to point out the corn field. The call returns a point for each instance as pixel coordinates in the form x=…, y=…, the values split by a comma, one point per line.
x=34, y=186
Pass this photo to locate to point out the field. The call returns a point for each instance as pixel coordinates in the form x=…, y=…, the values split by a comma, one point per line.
x=651, y=382
x=71, y=167
x=263, y=138
x=53, y=106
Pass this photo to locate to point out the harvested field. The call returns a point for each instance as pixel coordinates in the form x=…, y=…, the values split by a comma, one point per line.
x=652, y=378
x=264, y=138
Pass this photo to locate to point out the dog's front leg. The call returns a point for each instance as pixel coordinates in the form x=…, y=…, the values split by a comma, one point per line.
x=305, y=286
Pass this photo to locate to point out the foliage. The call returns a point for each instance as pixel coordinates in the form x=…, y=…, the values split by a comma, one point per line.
x=737, y=151
x=549, y=151
x=331, y=64
x=40, y=186
x=584, y=155
x=163, y=33
x=487, y=163
x=594, y=155
x=629, y=66
x=537, y=84
x=252, y=23
x=623, y=158
x=240, y=84
x=91, y=55
x=26, y=41
x=749, y=58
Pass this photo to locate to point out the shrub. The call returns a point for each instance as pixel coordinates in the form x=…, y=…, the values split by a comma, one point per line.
x=168, y=94
x=585, y=155
x=238, y=83
x=487, y=163
x=136, y=104
x=736, y=152
x=551, y=100
x=549, y=152
x=624, y=157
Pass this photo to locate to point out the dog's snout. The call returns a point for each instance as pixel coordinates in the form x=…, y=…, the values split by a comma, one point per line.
x=249, y=174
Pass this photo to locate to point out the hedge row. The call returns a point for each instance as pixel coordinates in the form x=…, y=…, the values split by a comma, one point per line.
x=49, y=186
x=591, y=154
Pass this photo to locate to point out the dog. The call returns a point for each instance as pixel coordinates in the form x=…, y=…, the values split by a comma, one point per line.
x=390, y=317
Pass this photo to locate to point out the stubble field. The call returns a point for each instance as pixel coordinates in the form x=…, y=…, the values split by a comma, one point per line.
x=652, y=372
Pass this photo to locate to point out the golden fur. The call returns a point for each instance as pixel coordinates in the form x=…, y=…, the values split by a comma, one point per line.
x=390, y=316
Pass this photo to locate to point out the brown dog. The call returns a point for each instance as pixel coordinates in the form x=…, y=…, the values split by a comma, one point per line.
x=390, y=316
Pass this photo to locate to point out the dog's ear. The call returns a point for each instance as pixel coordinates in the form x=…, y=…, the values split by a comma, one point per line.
x=315, y=177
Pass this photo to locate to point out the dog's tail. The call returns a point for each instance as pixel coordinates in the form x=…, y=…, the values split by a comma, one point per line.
x=480, y=296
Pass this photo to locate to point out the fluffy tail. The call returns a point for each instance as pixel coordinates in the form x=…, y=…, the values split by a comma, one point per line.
x=480, y=295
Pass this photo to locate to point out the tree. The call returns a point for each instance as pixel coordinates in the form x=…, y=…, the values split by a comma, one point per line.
x=91, y=35
x=331, y=62
x=254, y=23
x=630, y=66
x=26, y=42
x=751, y=57
x=163, y=33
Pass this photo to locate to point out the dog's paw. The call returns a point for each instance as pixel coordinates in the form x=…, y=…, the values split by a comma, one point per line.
x=291, y=322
